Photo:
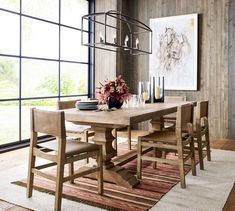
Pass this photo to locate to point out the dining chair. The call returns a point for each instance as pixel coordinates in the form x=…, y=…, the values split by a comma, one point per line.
x=171, y=141
x=170, y=119
x=58, y=152
x=167, y=121
x=201, y=131
x=74, y=130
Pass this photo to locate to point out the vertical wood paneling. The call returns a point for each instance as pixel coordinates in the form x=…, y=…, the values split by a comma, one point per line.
x=105, y=61
x=231, y=96
x=211, y=64
x=225, y=66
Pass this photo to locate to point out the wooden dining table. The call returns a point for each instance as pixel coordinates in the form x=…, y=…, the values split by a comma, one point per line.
x=103, y=122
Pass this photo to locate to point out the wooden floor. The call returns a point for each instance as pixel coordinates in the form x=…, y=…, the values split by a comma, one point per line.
x=6, y=161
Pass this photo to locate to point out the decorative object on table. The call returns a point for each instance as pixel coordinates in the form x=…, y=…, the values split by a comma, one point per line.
x=157, y=89
x=175, y=43
x=116, y=32
x=87, y=104
x=152, y=91
x=144, y=91
x=135, y=101
x=114, y=103
x=113, y=92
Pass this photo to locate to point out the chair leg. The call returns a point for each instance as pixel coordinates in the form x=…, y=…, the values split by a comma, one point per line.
x=100, y=173
x=86, y=140
x=59, y=186
x=181, y=169
x=200, y=154
x=139, y=160
x=163, y=154
x=193, y=162
x=71, y=171
x=155, y=155
x=30, y=179
x=129, y=137
x=208, y=149
x=86, y=136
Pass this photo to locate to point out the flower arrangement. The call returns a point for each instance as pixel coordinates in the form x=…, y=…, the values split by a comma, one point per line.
x=117, y=89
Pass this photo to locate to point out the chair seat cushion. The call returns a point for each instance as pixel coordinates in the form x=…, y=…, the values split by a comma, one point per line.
x=72, y=147
x=73, y=128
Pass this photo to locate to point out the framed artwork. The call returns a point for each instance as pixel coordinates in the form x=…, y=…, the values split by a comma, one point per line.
x=174, y=47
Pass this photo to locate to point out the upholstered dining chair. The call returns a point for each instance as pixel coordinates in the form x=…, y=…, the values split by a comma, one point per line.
x=201, y=131
x=59, y=152
x=171, y=141
x=74, y=130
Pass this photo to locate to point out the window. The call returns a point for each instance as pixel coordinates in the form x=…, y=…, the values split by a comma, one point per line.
x=41, y=60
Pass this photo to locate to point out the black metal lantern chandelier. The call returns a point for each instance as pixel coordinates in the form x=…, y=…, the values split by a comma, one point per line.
x=116, y=32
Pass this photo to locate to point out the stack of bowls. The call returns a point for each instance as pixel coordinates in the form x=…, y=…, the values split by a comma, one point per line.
x=87, y=104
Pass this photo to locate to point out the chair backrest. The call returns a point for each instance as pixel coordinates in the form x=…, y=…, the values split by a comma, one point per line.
x=169, y=99
x=66, y=104
x=202, y=109
x=184, y=118
x=48, y=122
x=172, y=99
x=202, y=124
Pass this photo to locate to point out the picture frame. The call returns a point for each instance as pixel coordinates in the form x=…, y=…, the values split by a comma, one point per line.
x=175, y=51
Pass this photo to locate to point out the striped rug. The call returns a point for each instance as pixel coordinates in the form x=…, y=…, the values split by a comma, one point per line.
x=153, y=185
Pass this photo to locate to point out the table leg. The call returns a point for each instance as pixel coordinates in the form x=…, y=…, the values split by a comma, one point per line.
x=114, y=174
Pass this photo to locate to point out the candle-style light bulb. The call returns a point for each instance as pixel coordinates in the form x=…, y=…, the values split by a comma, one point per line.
x=114, y=39
x=101, y=38
x=137, y=43
x=126, y=40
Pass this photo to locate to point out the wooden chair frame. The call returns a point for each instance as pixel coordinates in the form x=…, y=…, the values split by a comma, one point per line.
x=61, y=105
x=202, y=129
x=182, y=144
x=168, y=121
x=53, y=123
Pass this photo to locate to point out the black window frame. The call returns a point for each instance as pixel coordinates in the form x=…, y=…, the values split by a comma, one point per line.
x=22, y=143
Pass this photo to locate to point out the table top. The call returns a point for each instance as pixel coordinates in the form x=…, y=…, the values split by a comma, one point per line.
x=121, y=117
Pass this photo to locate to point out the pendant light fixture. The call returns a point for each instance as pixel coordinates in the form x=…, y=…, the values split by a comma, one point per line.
x=114, y=31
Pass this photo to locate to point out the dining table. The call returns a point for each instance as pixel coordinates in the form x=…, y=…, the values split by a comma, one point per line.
x=104, y=121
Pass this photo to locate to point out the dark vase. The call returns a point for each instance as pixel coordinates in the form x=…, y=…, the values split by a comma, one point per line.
x=114, y=103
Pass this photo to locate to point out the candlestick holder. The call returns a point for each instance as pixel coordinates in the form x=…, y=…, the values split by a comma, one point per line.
x=157, y=89
x=144, y=91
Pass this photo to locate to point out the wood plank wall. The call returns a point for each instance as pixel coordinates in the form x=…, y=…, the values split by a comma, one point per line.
x=232, y=70
x=213, y=65
x=213, y=52
x=105, y=61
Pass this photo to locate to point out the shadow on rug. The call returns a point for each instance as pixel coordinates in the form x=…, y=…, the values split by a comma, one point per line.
x=154, y=184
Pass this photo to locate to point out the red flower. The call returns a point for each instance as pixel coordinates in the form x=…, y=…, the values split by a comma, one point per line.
x=116, y=88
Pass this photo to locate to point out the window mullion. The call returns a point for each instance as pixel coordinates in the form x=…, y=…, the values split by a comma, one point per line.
x=20, y=74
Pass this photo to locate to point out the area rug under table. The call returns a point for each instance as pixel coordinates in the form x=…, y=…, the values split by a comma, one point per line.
x=153, y=185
